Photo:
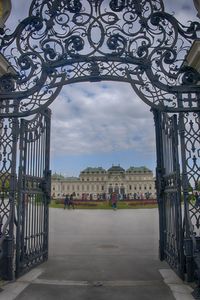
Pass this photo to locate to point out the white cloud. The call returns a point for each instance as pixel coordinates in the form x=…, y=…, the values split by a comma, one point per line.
x=100, y=117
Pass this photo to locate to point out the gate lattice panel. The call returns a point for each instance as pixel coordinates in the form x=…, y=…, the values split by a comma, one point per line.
x=169, y=192
x=8, y=180
x=190, y=145
x=33, y=192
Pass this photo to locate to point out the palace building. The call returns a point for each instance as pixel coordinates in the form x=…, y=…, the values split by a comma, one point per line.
x=98, y=183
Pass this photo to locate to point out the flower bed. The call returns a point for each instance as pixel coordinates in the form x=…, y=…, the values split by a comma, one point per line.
x=106, y=204
x=83, y=203
x=142, y=202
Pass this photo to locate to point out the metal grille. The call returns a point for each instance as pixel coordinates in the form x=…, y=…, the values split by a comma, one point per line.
x=191, y=123
x=169, y=191
x=189, y=136
x=33, y=192
x=8, y=152
x=63, y=41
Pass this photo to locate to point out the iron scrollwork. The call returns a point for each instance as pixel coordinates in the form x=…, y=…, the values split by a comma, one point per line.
x=68, y=41
x=63, y=41
x=33, y=192
x=190, y=133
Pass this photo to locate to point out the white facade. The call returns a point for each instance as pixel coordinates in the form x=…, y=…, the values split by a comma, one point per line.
x=98, y=183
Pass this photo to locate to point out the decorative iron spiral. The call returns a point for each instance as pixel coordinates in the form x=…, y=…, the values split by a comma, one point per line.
x=64, y=41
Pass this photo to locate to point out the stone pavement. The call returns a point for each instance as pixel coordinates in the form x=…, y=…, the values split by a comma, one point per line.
x=101, y=255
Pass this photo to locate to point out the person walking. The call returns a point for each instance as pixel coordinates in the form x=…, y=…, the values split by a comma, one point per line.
x=114, y=200
x=66, y=201
x=71, y=201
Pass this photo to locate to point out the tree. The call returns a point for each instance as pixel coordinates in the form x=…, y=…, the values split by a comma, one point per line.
x=4, y=182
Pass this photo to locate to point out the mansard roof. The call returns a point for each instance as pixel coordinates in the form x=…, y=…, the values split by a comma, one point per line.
x=72, y=178
x=57, y=176
x=94, y=170
x=142, y=169
x=100, y=170
x=62, y=177
x=116, y=169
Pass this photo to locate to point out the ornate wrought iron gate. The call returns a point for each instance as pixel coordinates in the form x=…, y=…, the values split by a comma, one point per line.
x=169, y=191
x=33, y=192
x=62, y=42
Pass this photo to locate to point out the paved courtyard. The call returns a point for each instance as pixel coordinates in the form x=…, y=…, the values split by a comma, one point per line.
x=102, y=255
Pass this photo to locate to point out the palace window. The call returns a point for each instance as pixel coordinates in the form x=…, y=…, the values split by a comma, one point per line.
x=110, y=190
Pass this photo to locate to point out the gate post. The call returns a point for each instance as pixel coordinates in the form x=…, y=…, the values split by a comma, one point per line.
x=159, y=180
x=47, y=176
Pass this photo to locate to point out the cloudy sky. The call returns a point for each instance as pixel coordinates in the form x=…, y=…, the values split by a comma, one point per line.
x=100, y=124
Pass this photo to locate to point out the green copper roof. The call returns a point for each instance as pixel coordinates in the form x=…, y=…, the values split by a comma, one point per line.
x=93, y=170
x=116, y=169
x=57, y=176
x=72, y=178
x=142, y=169
x=113, y=169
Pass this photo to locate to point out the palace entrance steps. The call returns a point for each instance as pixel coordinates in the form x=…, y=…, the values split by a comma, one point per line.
x=101, y=255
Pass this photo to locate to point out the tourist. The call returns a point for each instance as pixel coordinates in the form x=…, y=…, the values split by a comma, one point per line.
x=71, y=201
x=114, y=200
x=66, y=201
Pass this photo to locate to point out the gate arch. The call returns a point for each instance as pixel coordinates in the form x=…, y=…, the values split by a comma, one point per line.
x=63, y=42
